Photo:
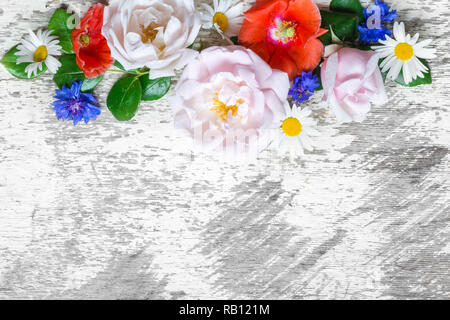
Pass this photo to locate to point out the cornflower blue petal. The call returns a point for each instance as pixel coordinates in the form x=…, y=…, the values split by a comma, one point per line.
x=76, y=88
x=74, y=105
x=373, y=35
x=88, y=97
x=386, y=14
x=303, y=87
x=63, y=94
x=94, y=109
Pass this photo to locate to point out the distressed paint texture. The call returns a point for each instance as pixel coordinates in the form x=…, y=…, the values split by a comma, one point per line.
x=124, y=211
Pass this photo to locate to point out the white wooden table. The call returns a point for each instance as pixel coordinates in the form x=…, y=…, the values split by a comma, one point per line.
x=122, y=210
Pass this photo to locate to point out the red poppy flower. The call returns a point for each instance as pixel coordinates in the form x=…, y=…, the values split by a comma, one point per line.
x=284, y=33
x=91, y=48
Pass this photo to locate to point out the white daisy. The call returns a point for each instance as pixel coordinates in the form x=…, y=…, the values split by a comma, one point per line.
x=402, y=53
x=38, y=49
x=295, y=130
x=226, y=17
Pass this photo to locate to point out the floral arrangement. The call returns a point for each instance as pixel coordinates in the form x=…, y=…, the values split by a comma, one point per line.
x=238, y=98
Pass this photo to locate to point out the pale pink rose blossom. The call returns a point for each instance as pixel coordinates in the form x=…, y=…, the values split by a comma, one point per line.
x=352, y=81
x=152, y=33
x=228, y=99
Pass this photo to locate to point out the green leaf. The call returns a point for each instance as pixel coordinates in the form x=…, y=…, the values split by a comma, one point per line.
x=362, y=47
x=326, y=39
x=124, y=98
x=90, y=84
x=317, y=72
x=70, y=72
x=198, y=46
x=154, y=89
x=348, y=6
x=18, y=70
x=59, y=23
x=344, y=25
x=235, y=40
x=418, y=82
x=117, y=64
x=334, y=37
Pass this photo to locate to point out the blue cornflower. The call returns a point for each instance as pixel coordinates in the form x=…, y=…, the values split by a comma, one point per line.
x=303, y=87
x=72, y=104
x=386, y=15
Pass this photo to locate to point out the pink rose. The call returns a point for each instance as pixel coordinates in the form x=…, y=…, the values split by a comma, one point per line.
x=228, y=98
x=352, y=81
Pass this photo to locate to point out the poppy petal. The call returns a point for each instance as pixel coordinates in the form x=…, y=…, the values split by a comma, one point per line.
x=281, y=60
x=257, y=19
x=307, y=15
x=307, y=57
x=94, y=57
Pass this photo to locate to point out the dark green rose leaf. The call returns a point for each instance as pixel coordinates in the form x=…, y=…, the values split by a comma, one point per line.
x=235, y=40
x=348, y=6
x=362, y=47
x=117, y=64
x=70, y=72
x=60, y=23
x=154, y=89
x=344, y=25
x=327, y=38
x=317, y=71
x=18, y=70
x=124, y=98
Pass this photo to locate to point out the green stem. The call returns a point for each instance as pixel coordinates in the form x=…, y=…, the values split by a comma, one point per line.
x=133, y=72
x=140, y=74
x=123, y=71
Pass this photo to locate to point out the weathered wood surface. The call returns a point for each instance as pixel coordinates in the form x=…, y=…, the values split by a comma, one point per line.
x=122, y=210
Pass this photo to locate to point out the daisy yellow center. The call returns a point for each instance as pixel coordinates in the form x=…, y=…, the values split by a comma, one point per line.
x=221, y=20
x=291, y=127
x=149, y=34
x=404, y=51
x=222, y=110
x=85, y=40
x=40, y=54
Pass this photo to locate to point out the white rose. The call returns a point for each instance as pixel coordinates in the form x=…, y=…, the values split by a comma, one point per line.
x=152, y=33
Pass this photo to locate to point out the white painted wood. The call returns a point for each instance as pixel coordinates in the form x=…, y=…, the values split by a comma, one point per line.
x=122, y=210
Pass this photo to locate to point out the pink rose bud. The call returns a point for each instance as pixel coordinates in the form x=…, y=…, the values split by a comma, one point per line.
x=352, y=81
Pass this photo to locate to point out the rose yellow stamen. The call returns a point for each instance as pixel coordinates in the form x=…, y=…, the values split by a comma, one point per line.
x=291, y=127
x=40, y=54
x=222, y=110
x=221, y=20
x=149, y=34
x=404, y=51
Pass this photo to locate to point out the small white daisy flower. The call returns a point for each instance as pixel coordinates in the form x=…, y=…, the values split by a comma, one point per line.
x=295, y=130
x=402, y=53
x=38, y=49
x=226, y=17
